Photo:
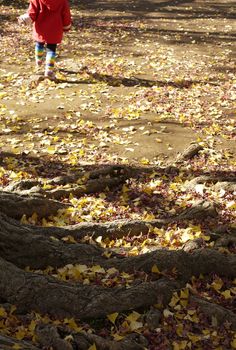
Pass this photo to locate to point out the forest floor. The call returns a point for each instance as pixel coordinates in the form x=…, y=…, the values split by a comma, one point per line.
x=146, y=79
x=138, y=83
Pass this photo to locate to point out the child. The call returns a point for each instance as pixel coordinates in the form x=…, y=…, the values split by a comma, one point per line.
x=50, y=19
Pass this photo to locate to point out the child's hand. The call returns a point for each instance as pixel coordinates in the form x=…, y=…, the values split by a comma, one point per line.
x=66, y=28
x=24, y=19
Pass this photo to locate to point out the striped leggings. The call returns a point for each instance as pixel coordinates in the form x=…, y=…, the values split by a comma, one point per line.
x=50, y=56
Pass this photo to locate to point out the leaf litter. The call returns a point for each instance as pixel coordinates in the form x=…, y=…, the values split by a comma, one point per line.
x=98, y=114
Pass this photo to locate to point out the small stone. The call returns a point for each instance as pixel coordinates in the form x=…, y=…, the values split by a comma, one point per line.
x=153, y=319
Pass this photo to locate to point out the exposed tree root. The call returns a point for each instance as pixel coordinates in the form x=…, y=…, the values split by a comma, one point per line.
x=216, y=313
x=45, y=294
x=227, y=183
x=49, y=335
x=105, y=172
x=122, y=228
x=131, y=342
x=192, y=150
x=226, y=241
x=39, y=247
x=16, y=205
x=91, y=182
x=7, y=343
x=91, y=186
x=20, y=245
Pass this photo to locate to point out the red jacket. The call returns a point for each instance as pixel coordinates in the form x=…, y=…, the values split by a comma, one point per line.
x=51, y=18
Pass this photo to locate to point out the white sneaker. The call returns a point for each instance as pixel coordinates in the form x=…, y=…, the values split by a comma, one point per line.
x=50, y=75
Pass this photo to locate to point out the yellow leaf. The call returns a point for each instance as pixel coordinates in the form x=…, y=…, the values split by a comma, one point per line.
x=180, y=345
x=72, y=324
x=125, y=189
x=134, y=251
x=231, y=205
x=180, y=329
x=51, y=150
x=69, y=338
x=98, y=269
x=148, y=190
x=16, y=347
x=184, y=302
x=184, y=294
x=3, y=312
x=186, y=236
x=117, y=337
x=167, y=313
x=69, y=239
x=155, y=269
x=92, y=347
x=134, y=325
x=217, y=284
x=107, y=254
x=134, y=316
x=206, y=238
x=20, y=334
x=192, y=317
x=174, y=186
x=174, y=300
x=32, y=326
x=113, y=317
x=194, y=338
x=24, y=220
x=233, y=344
x=226, y=294
x=34, y=217
x=144, y=161
x=149, y=217
x=13, y=308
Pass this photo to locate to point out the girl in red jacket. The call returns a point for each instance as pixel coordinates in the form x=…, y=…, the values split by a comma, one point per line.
x=50, y=19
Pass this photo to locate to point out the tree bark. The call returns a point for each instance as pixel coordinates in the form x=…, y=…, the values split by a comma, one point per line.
x=48, y=335
x=46, y=294
x=7, y=343
x=21, y=246
x=213, y=310
x=192, y=150
x=124, y=228
x=16, y=205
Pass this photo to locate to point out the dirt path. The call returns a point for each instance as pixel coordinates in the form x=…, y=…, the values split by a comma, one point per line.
x=138, y=82
x=107, y=256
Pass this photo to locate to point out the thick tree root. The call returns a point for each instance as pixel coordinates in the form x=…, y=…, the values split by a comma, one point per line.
x=16, y=205
x=49, y=335
x=20, y=245
x=86, y=187
x=7, y=343
x=45, y=294
x=91, y=186
x=122, y=228
x=24, y=247
x=192, y=150
x=105, y=172
x=131, y=342
x=227, y=183
x=91, y=182
x=216, y=313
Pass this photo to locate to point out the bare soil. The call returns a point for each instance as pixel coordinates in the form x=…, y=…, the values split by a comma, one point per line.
x=152, y=76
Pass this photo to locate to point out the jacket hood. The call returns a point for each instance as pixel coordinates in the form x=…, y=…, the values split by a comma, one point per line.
x=52, y=5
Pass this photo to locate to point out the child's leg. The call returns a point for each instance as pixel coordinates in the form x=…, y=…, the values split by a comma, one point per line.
x=39, y=51
x=50, y=60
